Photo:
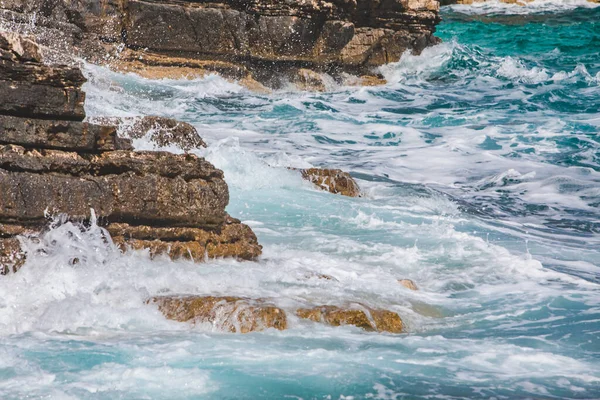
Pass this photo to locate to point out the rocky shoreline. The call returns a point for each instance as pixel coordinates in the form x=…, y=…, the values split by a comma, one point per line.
x=261, y=44
x=53, y=163
x=57, y=166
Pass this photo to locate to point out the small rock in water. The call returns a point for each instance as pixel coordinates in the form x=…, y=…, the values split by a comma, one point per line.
x=231, y=314
x=333, y=180
x=407, y=283
x=364, y=317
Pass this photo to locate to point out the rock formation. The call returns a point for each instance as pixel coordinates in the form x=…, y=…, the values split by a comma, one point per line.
x=53, y=163
x=229, y=314
x=364, y=317
x=332, y=180
x=250, y=40
x=162, y=132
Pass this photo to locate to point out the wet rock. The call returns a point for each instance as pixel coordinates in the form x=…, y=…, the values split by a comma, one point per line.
x=407, y=283
x=230, y=314
x=12, y=256
x=263, y=40
x=333, y=180
x=56, y=134
x=233, y=240
x=306, y=79
x=29, y=88
x=163, y=132
x=51, y=163
x=362, y=317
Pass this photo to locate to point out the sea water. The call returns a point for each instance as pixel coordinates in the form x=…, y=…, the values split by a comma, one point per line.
x=480, y=166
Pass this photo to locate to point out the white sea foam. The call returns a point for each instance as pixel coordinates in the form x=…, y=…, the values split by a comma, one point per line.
x=523, y=7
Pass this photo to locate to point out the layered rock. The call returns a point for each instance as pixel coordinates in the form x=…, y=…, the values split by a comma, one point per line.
x=53, y=163
x=266, y=40
x=517, y=2
x=160, y=131
x=229, y=314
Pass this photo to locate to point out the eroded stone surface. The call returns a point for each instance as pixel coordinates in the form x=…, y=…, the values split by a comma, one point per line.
x=264, y=40
x=362, y=317
x=51, y=163
x=230, y=314
x=333, y=180
x=163, y=132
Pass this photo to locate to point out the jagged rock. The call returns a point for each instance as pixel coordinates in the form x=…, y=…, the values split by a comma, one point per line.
x=161, y=131
x=231, y=314
x=407, y=283
x=363, y=317
x=333, y=180
x=51, y=163
x=265, y=39
x=306, y=79
x=29, y=88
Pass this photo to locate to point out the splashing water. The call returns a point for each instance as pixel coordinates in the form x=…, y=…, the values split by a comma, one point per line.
x=480, y=161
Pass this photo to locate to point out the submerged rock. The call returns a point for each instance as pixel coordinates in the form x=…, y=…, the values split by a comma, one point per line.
x=333, y=180
x=161, y=131
x=53, y=163
x=363, y=317
x=254, y=41
x=407, y=283
x=230, y=314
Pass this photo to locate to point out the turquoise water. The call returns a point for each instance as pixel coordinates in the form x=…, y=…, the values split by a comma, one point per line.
x=480, y=163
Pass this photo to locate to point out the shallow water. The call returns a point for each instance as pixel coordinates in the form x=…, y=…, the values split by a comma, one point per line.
x=480, y=161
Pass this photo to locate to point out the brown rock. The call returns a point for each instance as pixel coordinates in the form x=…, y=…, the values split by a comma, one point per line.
x=11, y=255
x=363, y=317
x=29, y=88
x=51, y=163
x=333, y=180
x=267, y=39
x=65, y=135
x=161, y=131
x=122, y=186
x=234, y=240
x=407, y=283
x=231, y=314
x=306, y=79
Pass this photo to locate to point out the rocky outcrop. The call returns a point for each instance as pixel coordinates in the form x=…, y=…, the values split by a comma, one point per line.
x=160, y=131
x=229, y=314
x=332, y=180
x=252, y=40
x=53, y=163
x=362, y=317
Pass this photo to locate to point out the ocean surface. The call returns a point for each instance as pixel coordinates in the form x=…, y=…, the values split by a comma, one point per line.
x=480, y=163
